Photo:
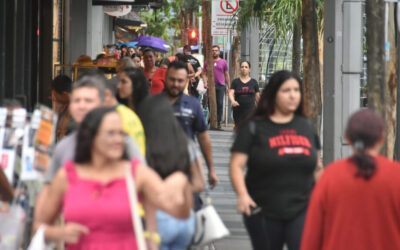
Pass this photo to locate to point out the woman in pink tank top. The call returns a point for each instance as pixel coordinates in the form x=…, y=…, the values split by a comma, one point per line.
x=91, y=192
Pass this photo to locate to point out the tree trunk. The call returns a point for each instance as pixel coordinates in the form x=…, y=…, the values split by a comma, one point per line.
x=391, y=84
x=236, y=56
x=184, y=29
x=296, y=48
x=207, y=41
x=311, y=69
x=375, y=12
x=184, y=37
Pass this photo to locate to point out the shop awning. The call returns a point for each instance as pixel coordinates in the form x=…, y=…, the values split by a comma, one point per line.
x=151, y=3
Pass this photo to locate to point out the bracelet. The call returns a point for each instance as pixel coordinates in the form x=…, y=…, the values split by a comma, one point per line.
x=155, y=237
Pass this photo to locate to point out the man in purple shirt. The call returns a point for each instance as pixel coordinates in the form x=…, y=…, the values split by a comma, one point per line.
x=221, y=79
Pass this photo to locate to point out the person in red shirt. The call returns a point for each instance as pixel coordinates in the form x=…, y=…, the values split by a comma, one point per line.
x=149, y=61
x=356, y=203
x=158, y=82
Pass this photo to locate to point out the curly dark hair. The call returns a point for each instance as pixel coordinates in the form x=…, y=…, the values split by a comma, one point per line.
x=87, y=132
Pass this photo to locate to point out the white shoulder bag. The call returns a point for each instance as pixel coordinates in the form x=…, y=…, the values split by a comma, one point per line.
x=209, y=226
x=136, y=220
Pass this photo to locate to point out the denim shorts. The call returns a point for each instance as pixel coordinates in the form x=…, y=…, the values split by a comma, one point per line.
x=176, y=234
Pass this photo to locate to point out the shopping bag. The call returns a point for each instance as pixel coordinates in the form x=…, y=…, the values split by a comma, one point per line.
x=209, y=227
x=12, y=224
x=200, y=87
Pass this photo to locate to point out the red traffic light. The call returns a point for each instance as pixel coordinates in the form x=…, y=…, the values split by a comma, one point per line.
x=193, y=34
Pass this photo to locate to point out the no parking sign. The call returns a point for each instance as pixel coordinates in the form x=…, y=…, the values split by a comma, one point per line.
x=224, y=17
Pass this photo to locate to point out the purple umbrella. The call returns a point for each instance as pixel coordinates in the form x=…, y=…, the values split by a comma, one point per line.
x=151, y=38
x=153, y=42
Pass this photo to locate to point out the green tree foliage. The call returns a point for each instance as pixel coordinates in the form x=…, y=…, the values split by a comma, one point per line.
x=281, y=14
x=169, y=16
x=158, y=21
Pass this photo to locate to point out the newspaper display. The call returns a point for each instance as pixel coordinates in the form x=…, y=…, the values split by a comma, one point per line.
x=28, y=172
x=3, y=119
x=11, y=135
x=44, y=139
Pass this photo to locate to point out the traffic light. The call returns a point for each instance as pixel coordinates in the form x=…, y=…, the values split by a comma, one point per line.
x=193, y=37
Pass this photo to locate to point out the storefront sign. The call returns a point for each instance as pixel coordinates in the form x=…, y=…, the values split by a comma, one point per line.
x=117, y=10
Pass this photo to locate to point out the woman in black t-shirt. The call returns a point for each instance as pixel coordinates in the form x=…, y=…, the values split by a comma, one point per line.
x=244, y=94
x=281, y=149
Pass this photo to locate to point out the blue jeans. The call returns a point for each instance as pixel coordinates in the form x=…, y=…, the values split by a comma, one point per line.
x=176, y=234
x=220, y=93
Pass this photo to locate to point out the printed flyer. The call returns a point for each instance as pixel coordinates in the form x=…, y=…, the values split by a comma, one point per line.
x=13, y=132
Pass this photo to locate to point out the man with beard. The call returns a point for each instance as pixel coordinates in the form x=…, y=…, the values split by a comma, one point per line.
x=189, y=112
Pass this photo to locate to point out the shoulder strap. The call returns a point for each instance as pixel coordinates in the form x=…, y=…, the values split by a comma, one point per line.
x=134, y=163
x=133, y=202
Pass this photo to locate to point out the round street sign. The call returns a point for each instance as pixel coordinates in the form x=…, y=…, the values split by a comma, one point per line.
x=229, y=6
x=117, y=10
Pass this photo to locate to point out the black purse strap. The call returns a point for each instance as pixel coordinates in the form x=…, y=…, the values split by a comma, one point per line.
x=202, y=227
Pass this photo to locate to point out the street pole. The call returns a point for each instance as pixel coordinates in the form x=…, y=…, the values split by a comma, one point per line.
x=200, y=44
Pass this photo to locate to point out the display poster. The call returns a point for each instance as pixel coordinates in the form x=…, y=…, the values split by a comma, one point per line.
x=28, y=172
x=44, y=138
x=13, y=132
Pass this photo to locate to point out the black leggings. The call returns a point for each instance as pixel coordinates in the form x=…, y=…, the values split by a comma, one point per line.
x=240, y=113
x=270, y=234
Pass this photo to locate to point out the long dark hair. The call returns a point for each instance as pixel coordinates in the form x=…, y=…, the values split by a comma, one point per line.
x=166, y=142
x=140, y=87
x=266, y=105
x=87, y=133
x=364, y=129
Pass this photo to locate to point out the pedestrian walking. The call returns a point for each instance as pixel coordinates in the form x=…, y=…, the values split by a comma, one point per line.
x=181, y=57
x=280, y=147
x=244, y=94
x=87, y=94
x=168, y=151
x=124, y=63
x=132, y=87
x=131, y=51
x=124, y=51
x=130, y=121
x=92, y=194
x=158, y=83
x=189, y=113
x=149, y=61
x=137, y=60
x=221, y=79
x=194, y=79
x=60, y=92
x=356, y=203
